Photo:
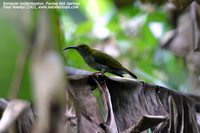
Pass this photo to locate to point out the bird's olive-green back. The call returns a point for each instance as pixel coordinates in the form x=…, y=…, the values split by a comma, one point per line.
x=106, y=59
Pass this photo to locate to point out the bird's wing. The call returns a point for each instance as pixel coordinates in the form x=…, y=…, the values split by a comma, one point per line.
x=106, y=59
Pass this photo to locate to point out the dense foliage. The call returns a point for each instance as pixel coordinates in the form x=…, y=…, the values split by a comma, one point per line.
x=129, y=32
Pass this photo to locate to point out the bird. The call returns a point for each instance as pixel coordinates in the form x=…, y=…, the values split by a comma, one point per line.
x=101, y=61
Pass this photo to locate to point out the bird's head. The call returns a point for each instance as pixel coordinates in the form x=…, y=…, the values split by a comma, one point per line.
x=82, y=49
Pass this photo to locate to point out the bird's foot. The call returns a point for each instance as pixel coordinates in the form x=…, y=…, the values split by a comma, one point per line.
x=100, y=76
x=97, y=74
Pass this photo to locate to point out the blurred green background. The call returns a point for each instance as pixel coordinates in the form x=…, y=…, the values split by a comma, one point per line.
x=130, y=31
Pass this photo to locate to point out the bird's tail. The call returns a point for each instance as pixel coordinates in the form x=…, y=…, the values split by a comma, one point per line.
x=130, y=73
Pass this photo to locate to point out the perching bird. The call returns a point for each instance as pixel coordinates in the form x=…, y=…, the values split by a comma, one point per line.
x=101, y=61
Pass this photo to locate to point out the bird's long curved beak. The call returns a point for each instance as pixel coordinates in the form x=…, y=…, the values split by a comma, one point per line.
x=70, y=47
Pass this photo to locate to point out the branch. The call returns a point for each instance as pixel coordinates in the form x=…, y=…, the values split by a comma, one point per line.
x=131, y=106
